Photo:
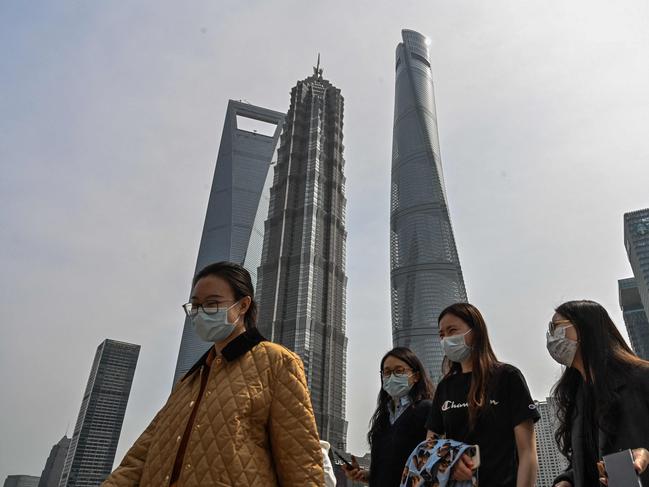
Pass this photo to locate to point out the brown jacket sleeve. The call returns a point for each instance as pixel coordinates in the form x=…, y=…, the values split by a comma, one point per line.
x=293, y=433
x=129, y=472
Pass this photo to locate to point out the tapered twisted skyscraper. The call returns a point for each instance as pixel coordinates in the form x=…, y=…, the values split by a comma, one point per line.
x=301, y=282
x=425, y=269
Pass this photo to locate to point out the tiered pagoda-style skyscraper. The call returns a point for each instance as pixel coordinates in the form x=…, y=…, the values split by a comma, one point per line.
x=302, y=283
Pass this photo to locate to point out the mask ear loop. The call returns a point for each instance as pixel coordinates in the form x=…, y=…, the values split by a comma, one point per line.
x=238, y=318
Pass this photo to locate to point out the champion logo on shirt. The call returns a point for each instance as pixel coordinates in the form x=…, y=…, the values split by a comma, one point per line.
x=459, y=405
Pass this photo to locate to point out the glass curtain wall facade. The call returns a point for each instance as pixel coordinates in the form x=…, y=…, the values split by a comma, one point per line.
x=425, y=272
x=237, y=207
x=636, y=241
x=302, y=282
x=51, y=475
x=91, y=453
x=635, y=317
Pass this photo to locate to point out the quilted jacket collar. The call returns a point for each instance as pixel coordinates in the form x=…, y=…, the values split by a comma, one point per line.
x=233, y=350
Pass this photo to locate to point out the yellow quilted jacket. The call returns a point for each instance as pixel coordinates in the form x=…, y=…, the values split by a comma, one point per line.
x=254, y=425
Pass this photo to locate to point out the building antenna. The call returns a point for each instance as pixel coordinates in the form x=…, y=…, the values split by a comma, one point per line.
x=317, y=70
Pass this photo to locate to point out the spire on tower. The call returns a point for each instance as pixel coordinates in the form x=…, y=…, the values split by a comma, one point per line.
x=317, y=70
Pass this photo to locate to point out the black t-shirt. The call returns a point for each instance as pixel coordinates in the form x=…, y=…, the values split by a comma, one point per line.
x=510, y=404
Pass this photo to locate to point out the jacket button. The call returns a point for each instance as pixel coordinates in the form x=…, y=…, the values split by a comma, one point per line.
x=198, y=426
x=191, y=404
x=188, y=466
x=167, y=477
x=208, y=393
x=178, y=439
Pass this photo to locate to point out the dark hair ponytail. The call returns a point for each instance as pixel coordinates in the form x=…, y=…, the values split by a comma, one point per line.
x=239, y=280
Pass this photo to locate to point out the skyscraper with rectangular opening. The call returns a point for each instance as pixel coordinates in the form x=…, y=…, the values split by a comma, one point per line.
x=302, y=281
x=425, y=270
x=91, y=452
x=635, y=317
x=238, y=203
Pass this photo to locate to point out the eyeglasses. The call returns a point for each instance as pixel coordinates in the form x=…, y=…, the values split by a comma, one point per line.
x=209, y=308
x=397, y=370
x=553, y=325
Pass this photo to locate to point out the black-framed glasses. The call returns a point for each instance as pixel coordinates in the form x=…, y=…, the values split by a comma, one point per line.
x=397, y=370
x=210, y=308
x=553, y=325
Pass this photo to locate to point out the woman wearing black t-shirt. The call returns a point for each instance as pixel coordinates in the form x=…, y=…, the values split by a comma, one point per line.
x=484, y=402
x=602, y=396
x=399, y=422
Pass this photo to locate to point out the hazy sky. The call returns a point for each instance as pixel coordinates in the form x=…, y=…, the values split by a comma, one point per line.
x=110, y=122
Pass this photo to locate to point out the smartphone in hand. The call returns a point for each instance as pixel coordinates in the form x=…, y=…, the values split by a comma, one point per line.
x=620, y=470
x=349, y=465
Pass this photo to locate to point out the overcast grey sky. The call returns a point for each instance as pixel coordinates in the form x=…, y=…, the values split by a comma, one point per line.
x=110, y=122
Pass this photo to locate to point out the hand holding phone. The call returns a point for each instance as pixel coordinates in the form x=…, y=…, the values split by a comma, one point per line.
x=620, y=470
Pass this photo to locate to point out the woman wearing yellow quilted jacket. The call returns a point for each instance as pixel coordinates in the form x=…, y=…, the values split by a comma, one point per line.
x=241, y=415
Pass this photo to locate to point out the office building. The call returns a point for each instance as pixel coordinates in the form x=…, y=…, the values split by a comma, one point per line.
x=635, y=317
x=425, y=273
x=51, y=475
x=551, y=461
x=91, y=453
x=636, y=241
x=238, y=203
x=302, y=281
x=21, y=481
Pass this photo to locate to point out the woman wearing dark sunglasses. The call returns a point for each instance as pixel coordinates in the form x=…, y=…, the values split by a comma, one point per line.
x=602, y=396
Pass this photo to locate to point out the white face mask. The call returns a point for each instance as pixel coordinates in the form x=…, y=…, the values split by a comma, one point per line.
x=561, y=348
x=455, y=348
x=214, y=327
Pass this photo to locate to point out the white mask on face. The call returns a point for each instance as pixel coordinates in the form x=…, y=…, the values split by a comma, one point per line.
x=455, y=348
x=561, y=348
x=214, y=327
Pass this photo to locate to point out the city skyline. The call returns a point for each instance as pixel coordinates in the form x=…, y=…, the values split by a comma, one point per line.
x=109, y=143
x=302, y=284
x=238, y=205
x=425, y=272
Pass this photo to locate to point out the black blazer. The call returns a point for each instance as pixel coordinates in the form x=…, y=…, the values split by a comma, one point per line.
x=392, y=446
x=630, y=424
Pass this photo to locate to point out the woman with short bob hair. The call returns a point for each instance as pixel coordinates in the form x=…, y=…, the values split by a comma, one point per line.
x=398, y=424
x=484, y=402
x=241, y=415
x=602, y=397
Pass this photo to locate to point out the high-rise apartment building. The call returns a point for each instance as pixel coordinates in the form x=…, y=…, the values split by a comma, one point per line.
x=551, y=461
x=425, y=270
x=636, y=241
x=635, y=317
x=21, y=481
x=51, y=475
x=301, y=282
x=91, y=453
x=238, y=203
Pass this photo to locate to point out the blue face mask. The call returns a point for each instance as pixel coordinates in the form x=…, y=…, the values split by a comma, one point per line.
x=214, y=327
x=455, y=348
x=397, y=385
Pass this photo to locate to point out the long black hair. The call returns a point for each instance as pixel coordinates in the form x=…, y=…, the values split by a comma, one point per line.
x=607, y=360
x=240, y=282
x=422, y=389
x=483, y=358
